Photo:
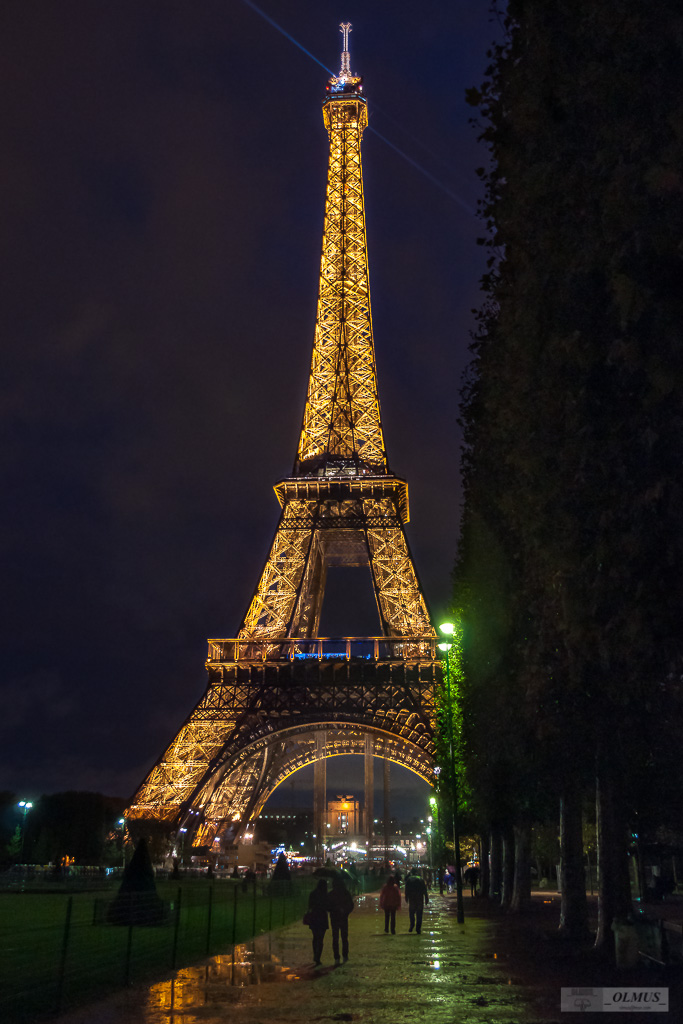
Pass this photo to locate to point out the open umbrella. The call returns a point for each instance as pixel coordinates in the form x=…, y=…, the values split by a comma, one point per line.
x=327, y=873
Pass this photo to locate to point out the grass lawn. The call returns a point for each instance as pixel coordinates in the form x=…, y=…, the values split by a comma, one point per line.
x=54, y=955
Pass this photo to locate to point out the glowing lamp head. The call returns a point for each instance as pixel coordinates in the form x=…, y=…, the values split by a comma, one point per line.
x=444, y=647
x=447, y=628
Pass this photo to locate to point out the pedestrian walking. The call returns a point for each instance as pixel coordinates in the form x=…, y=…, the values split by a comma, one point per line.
x=472, y=878
x=316, y=918
x=417, y=895
x=390, y=902
x=340, y=903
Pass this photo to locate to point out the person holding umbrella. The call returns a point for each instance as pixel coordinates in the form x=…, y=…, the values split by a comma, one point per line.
x=316, y=918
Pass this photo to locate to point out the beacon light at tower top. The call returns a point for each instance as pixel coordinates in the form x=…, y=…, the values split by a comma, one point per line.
x=345, y=82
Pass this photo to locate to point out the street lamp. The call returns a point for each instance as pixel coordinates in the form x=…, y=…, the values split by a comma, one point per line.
x=26, y=806
x=448, y=629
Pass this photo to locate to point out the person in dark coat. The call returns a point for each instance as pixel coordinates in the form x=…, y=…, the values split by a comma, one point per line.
x=472, y=878
x=390, y=902
x=317, y=918
x=417, y=895
x=340, y=904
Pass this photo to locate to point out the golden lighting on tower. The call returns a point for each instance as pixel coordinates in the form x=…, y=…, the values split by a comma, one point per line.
x=278, y=696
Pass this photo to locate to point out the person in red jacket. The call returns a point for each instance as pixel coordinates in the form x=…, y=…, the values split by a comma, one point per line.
x=390, y=902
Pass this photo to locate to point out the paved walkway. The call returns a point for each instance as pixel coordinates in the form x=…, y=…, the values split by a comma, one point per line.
x=483, y=972
x=448, y=973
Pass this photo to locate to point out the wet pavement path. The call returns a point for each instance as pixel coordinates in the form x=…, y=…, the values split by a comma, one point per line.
x=450, y=973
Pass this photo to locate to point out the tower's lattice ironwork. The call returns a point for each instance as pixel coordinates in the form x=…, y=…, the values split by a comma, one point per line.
x=278, y=695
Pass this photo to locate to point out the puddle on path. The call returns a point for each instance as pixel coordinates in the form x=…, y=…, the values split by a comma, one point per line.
x=224, y=979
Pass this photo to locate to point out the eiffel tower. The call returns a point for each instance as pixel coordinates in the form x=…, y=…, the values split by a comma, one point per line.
x=279, y=696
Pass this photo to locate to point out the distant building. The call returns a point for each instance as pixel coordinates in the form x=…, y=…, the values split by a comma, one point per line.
x=343, y=816
x=255, y=856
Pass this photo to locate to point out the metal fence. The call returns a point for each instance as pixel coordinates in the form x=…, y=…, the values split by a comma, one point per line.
x=58, y=950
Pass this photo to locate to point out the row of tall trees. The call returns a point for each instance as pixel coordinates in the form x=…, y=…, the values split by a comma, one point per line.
x=569, y=577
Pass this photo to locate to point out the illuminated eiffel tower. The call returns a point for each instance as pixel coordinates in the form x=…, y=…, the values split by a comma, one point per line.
x=279, y=696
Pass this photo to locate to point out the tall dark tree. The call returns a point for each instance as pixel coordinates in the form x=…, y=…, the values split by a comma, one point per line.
x=9, y=822
x=571, y=543
x=73, y=825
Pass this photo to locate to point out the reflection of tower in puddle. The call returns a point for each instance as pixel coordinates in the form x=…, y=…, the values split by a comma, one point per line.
x=223, y=978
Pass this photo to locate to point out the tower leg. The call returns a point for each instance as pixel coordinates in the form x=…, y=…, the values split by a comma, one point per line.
x=386, y=813
x=369, y=789
x=320, y=794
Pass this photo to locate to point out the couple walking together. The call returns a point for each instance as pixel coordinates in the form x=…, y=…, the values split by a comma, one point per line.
x=338, y=903
x=390, y=901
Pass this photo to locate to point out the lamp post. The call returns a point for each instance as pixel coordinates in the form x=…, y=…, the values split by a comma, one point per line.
x=436, y=852
x=26, y=806
x=122, y=823
x=182, y=832
x=449, y=629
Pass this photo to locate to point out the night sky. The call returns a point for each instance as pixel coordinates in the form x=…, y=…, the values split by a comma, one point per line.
x=162, y=174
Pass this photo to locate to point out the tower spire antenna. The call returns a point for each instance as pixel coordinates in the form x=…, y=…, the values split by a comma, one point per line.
x=345, y=71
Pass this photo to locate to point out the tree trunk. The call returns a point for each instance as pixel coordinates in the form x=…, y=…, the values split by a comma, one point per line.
x=521, y=890
x=573, y=905
x=508, y=866
x=484, y=866
x=614, y=887
x=496, y=874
